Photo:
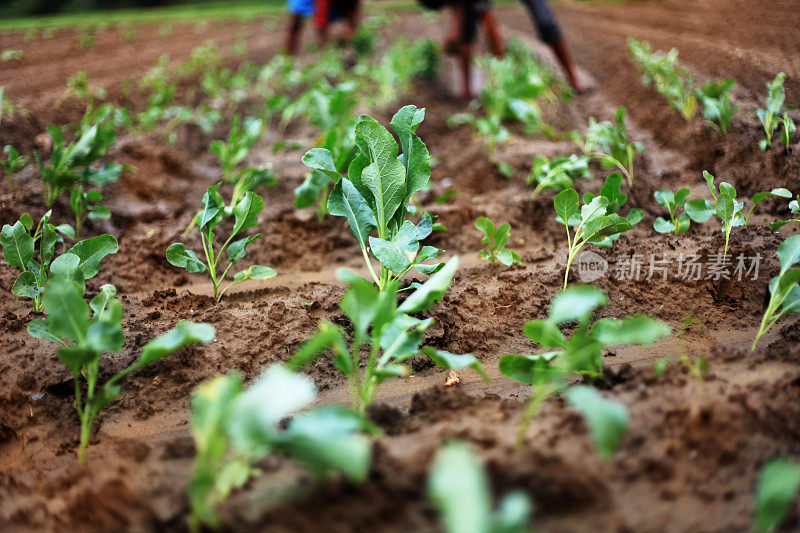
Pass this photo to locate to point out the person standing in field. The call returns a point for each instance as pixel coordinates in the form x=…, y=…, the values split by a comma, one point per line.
x=324, y=12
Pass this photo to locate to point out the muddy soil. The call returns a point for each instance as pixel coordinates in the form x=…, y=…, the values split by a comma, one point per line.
x=690, y=459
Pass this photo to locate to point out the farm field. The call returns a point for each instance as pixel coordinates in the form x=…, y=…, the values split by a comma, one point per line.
x=702, y=413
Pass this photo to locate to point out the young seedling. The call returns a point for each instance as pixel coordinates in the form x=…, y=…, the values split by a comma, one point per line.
x=459, y=489
x=778, y=483
x=662, y=70
x=14, y=163
x=79, y=263
x=376, y=192
x=581, y=354
x=212, y=214
x=86, y=204
x=718, y=110
x=610, y=144
x=231, y=153
x=678, y=222
x=86, y=331
x=70, y=164
x=234, y=428
x=558, y=173
x=387, y=330
x=496, y=240
x=771, y=116
x=729, y=211
x=784, y=292
x=590, y=222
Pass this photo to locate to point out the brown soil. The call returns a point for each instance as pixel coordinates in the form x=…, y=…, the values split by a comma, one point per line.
x=690, y=459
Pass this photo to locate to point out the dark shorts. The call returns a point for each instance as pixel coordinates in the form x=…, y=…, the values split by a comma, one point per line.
x=544, y=19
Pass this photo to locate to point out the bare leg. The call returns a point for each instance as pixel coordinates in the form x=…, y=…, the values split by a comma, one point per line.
x=293, y=36
x=466, y=71
x=496, y=43
x=455, y=14
x=565, y=58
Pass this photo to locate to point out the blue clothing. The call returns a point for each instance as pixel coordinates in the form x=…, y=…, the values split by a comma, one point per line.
x=304, y=8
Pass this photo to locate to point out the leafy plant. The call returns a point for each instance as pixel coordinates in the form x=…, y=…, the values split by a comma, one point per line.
x=86, y=204
x=11, y=54
x=778, y=484
x=233, y=428
x=376, y=192
x=558, y=173
x=718, y=110
x=784, y=293
x=87, y=331
x=771, y=116
x=459, y=488
x=387, y=330
x=581, y=354
x=428, y=57
x=662, y=70
x=231, y=153
x=727, y=208
x=71, y=164
x=214, y=211
x=79, y=263
x=590, y=222
x=496, y=240
x=14, y=163
x=678, y=222
x=610, y=144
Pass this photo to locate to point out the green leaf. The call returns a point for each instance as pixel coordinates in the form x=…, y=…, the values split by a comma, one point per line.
x=665, y=198
x=17, y=245
x=545, y=333
x=321, y=159
x=361, y=304
x=246, y=212
x=328, y=439
x=179, y=256
x=415, y=154
x=345, y=200
x=789, y=252
x=699, y=210
x=401, y=338
x=459, y=489
x=238, y=249
x=67, y=312
x=529, y=369
x=66, y=266
x=725, y=207
x=213, y=209
x=275, y=395
x=105, y=333
x=327, y=335
x=639, y=329
x=256, y=272
x=486, y=226
x=566, y=204
x=710, y=182
x=432, y=290
x=455, y=361
x=99, y=303
x=663, y=226
x=384, y=176
x=184, y=334
x=398, y=254
x=778, y=483
x=92, y=251
x=25, y=286
x=607, y=420
x=576, y=302
x=38, y=328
